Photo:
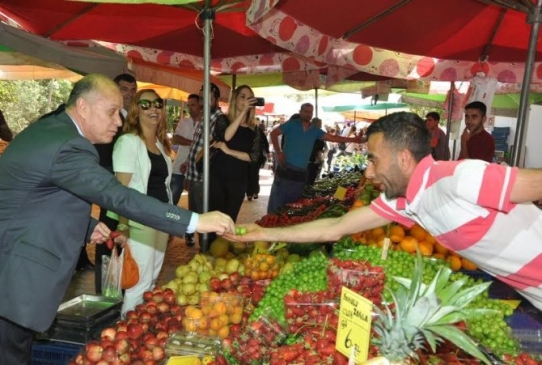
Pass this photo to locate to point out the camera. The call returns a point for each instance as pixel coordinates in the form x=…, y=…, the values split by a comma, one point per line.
x=260, y=102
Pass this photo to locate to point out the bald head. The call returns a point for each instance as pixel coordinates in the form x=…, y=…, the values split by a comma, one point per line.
x=94, y=104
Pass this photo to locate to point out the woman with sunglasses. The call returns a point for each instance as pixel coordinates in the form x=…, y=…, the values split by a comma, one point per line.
x=141, y=160
x=238, y=143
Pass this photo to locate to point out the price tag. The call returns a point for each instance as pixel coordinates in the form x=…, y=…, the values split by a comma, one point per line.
x=340, y=193
x=385, y=248
x=354, y=330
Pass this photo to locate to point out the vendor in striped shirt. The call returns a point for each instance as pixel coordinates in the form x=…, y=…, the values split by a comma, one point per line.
x=480, y=210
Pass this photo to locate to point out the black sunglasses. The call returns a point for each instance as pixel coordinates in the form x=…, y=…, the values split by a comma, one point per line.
x=146, y=104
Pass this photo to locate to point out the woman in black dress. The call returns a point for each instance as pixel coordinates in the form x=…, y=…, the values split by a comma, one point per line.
x=238, y=143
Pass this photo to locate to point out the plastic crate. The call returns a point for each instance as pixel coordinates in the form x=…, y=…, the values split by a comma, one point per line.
x=53, y=353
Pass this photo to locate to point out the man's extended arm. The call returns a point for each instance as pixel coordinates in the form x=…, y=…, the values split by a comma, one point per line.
x=321, y=230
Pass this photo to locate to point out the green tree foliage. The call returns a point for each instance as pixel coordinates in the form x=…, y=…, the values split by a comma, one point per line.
x=423, y=110
x=23, y=102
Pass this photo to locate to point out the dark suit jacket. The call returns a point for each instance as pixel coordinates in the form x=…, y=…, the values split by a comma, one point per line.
x=49, y=177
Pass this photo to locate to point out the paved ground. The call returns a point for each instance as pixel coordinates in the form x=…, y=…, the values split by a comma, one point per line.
x=178, y=253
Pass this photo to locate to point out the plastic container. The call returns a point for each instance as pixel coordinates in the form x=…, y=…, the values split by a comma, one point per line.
x=306, y=311
x=53, y=353
x=183, y=343
x=268, y=329
x=362, y=278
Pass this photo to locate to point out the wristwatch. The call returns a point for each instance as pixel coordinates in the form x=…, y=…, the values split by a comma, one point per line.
x=122, y=227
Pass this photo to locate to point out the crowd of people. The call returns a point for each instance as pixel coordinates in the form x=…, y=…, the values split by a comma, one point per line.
x=108, y=146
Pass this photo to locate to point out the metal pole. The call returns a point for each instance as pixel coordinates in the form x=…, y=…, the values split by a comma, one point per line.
x=519, y=138
x=207, y=15
x=233, y=84
x=316, y=102
x=449, y=121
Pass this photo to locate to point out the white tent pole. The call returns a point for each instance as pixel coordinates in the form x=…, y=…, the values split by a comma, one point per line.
x=207, y=15
x=519, y=138
x=449, y=121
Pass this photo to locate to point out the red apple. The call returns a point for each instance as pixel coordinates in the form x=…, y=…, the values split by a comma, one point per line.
x=235, y=277
x=161, y=334
x=215, y=284
x=144, y=353
x=149, y=362
x=158, y=354
x=144, y=317
x=162, y=342
x=94, y=352
x=105, y=342
x=175, y=308
x=163, y=307
x=158, y=297
x=160, y=326
x=122, y=346
x=145, y=327
x=226, y=284
x=109, y=354
x=135, y=330
x=147, y=295
x=169, y=296
x=131, y=315
x=108, y=333
x=103, y=362
x=151, y=342
x=151, y=308
x=79, y=359
x=121, y=335
x=139, y=308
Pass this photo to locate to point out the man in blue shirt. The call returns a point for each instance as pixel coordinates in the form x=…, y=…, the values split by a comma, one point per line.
x=291, y=174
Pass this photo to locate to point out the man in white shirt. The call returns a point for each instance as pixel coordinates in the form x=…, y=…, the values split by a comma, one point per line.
x=184, y=136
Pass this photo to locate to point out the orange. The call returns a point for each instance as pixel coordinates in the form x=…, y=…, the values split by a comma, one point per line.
x=224, y=332
x=426, y=249
x=216, y=324
x=408, y=244
x=440, y=248
x=418, y=232
x=264, y=266
x=396, y=234
x=189, y=325
x=236, y=318
x=429, y=238
x=439, y=256
x=378, y=232
x=220, y=308
x=224, y=319
x=467, y=264
x=203, y=324
x=455, y=262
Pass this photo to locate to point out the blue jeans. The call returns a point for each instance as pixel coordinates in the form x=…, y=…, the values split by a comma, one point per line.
x=177, y=185
x=284, y=191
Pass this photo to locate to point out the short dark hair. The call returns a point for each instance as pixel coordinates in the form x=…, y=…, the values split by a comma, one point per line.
x=306, y=104
x=404, y=130
x=433, y=115
x=477, y=105
x=294, y=116
x=193, y=96
x=125, y=77
x=214, y=89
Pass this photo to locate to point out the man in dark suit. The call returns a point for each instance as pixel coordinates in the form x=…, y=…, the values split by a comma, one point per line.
x=49, y=177
x=128, y=87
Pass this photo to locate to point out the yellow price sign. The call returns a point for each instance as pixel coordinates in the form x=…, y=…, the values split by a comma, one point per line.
x=354, y=325
x=340, y=193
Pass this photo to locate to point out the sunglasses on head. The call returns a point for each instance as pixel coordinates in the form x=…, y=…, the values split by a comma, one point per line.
x=146, y=104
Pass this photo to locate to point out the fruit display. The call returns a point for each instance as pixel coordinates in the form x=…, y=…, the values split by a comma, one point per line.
x=410, y=240
x=275, y=303
x=359, y=276
x=305, y=311
x=141, y=337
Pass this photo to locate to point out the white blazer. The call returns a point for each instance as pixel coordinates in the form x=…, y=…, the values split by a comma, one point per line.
x=130, y=156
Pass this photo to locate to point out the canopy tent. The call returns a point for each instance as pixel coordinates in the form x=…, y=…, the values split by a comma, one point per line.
x=394, y=42
x=18, y=66
x=366, y=111
x=81, y=60
x=503, y=104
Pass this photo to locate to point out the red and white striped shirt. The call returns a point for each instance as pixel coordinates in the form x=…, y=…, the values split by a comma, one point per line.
x=466, y=206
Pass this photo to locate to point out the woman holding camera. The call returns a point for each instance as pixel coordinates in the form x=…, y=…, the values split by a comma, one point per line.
x=237, y=144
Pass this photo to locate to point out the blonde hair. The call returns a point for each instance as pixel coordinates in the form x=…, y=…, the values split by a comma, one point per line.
x=132, y=125
x=232, y=109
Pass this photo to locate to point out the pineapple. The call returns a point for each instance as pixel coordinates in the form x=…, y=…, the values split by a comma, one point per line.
x=424, y=314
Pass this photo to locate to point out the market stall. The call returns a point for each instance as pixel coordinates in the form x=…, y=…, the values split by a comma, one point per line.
x=280, y=303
